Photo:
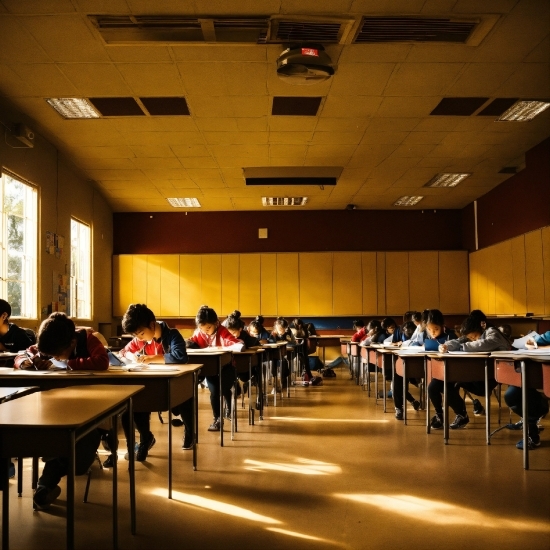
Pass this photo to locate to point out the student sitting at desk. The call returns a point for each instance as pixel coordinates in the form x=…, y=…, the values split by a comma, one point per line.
x=12, y=337
x=154, y=342
x=374, y=334
x=395, y=336
x=360, y=330
x=257, y=330
x=59, y=339
x=537, y=405
x=474, y=338
x=281, y=333
x=210, y=334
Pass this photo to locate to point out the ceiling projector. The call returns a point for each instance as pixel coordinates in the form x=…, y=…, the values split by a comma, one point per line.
x=304, y=65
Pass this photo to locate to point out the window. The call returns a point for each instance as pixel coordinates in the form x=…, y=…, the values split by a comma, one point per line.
x=18, y=237
x=81, y=281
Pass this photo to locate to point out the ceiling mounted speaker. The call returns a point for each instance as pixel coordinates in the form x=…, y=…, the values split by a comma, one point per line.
x=304, y=65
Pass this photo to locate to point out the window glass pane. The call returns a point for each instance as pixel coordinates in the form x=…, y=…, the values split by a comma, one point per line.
x=81, y=306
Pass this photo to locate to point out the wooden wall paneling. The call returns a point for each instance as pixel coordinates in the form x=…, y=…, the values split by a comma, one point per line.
x=369, y=275
x=190, y=284
x=454, y=285
x=381, y=283
x=347, y=283
x=268, y=282
x=315, y=283
x=139, y=279
x=473, y=267
x=504, y=279
x=153, y=282
x=397, y=283
x=423, y=280
x=533, y=271
x=518, y=274
x=249, y=284
x=170, y=285
x=546, y=267
x=122, y=283
x=211, y=281
x=483, y=302
x=230, y=284
x=288, y=294
x=489, y=254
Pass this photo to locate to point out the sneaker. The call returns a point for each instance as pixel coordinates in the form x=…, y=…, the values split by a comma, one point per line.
x=436, y=423
x=144, y=446
x=215, y=426
x=227, y=413
x=12, y=470
x=518, y=426
x=109, y=462
x=533, y=443
x=398, y=414
x=416, y=405
x=105, y=442
x=478, y=408
x=316, y=381
x=459, y=422
x=43, y=497
x=306, y=379
x=187, y=441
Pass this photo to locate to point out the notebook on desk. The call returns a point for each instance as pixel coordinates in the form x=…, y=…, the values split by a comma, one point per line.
x=431, y=345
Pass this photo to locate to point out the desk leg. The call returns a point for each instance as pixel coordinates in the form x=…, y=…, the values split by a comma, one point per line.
x=384, y=383
x=132, y=467
x=70, y=491
x=221, y=403
x=376, y=378
x=34, y=472
x=5, y=465
x=404, y=388
x=525, y=416
x=19, y=475
x=487, y=404
x=115, y=485
x=169, y=442
x=426, y=395
x=195, y=417
x=250, y=408
x=233, y=410
x=445, y=405
x=260, y=388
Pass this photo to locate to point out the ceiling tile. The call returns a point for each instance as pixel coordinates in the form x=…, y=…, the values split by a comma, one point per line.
x=350, y=106
x=342, y=124
x=426, y=79
x=383, y=137
x=110, y=174
x=424, y=137
x=158, y=174
x=114, y=152
x=413, y=150
x=481, y=79
x=228, y=138
x=530, y=81
x=287, y=151
x=361, y=78
x=158, y=151
x=38, y=6
x=18, y=45
x=96, y=79
x=375, y=53
x=147, y=78
x=198, y=162
x=186, y=151
x=407, y=106
x=337, y=137
x=138, y=54
x=294, y=123
x=45, y=79
x=298, y=138
x=163, y=138
x=151, y=163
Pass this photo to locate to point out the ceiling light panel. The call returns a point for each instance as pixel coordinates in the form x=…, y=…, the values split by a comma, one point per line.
x=184, y=203
x=447, y=179
x=407, y=201
x=284, y=201
x=524, y=111
x=73, y=107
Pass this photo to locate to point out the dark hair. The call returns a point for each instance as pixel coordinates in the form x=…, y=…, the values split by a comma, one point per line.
x=256, y=325
x=136, y=316
x=408, y=329
x=206, y=316
x=407, y=316
x=471, y=324
x=56, y=334
x=298, y=323
x=234, y=321
x=478, y=314
x=310, y=327
x=417, y=316
x=424, y=316
x=388, y=322
x=506, y=331
x=5, y=308
x=435, y=317
x=377, y=327
x=358, y=323
x=280, y=322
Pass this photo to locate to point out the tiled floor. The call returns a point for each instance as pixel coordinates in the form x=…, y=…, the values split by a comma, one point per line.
x=326, y=469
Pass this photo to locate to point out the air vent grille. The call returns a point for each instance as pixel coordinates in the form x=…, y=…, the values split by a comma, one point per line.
x=413, y=29
x=284, y=201
x=308, y=31
x=147, y=21
x=241, y=30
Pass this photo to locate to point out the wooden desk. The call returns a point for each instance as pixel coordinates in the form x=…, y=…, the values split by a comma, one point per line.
x=531, y=376
x=410, y=364
x=354, y=356
x=368, y=356
x=161, y=391
x=244, y=362
x=384, y=362
x=7, y=394
x=274, y=350
x=327, y=341
x=212, y=365
x=465, y=367
x=49, y=424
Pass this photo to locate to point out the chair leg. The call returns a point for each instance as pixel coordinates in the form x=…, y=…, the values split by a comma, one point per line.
x=86, y=491
x=160, y=417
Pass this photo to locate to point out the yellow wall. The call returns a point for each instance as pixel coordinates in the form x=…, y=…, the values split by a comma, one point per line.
x=513, y=277
x=289, y=284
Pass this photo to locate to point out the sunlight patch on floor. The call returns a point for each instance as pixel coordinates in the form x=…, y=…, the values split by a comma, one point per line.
x=442, y=513
x=216, y=506
x=293, y=534
x=347, y=420
x=302, y=466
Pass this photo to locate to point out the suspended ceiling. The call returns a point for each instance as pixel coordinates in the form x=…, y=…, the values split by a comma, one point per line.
x=373, y=121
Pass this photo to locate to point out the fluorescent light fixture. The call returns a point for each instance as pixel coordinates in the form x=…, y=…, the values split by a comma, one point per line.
x=184, y=203
x=524, y=110
x=73, y=107
x=407, y=201
x=447, y=180
x=284, y=201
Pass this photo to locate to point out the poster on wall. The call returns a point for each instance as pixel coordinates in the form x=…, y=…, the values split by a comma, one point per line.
x=60, y=296
x=50, y=242
x=55, y=244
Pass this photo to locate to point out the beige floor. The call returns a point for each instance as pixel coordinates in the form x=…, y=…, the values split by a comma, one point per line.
x=326, y=469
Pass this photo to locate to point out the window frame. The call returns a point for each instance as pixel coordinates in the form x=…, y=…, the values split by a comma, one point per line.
x=73, y=285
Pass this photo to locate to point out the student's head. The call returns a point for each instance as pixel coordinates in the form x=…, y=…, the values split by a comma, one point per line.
x=358, y=324
x=57, y=336
x=139, y=321
x=435, y=323
x=260, y=320
x=506, y=331
x=480, y=316
x=5, y=313
x=298, y=324
x=471, y=328
x=416, y=318
x=280, y=325
x=374, y=327
x=207, y=320
x=310, y=327
x=388, y=324
x=407, y=316
x=234, y=323
x=254, y=328
x=408, y=329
